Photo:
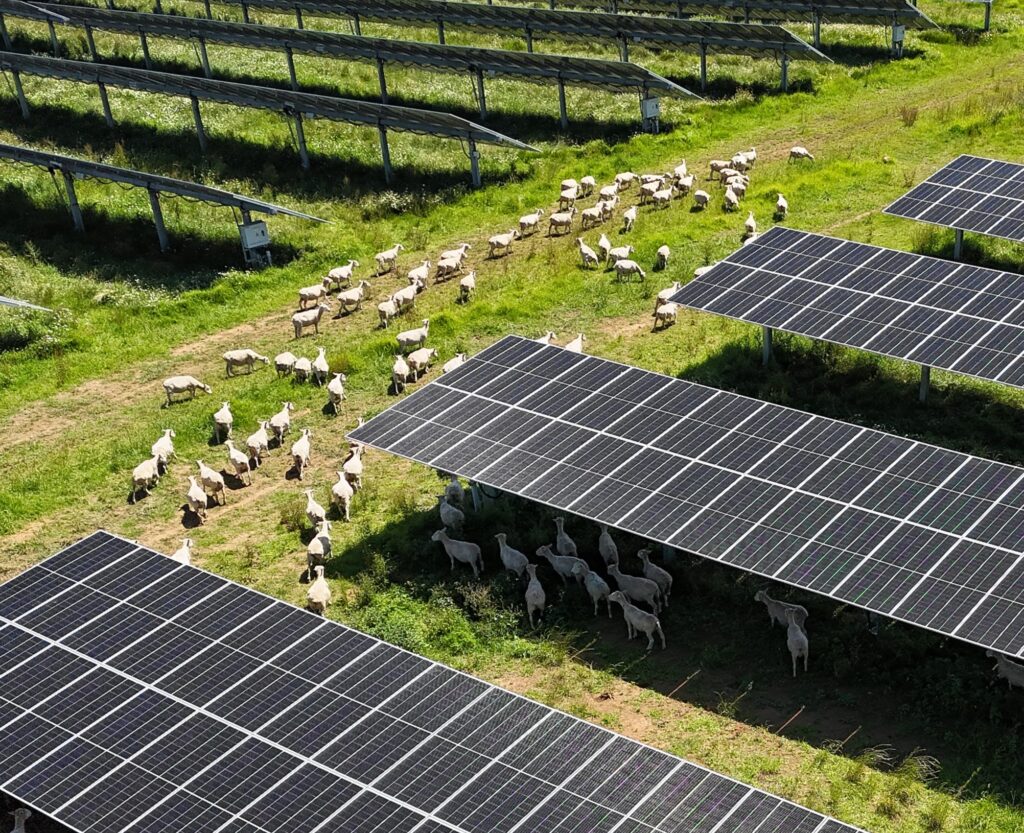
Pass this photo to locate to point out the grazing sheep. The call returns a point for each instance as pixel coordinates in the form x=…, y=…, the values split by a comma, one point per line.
x=300, y=452
x=625, y=179
x=419, y=360
x=576, y=346
x=351, y=300
x=587, y=186
x=465, y=552
x=342, y=275
x=353, y=466
x=387, y=259
x=145, y=475
x=451, y=517
x=604, y=245
x=310, y=318
x=750, y=226
x=561, y=221
x=213, y=482
x=454, y=493
x=284, y=363
x=796, y=640
x=608, y=192
x=665, y=295
x=446, y=269
x=320, y=367
x=629, y=218
x=587, y=255
x=778, y=611
x=341, y=495
x=386, y=310
x=535, y=598
x=547, y=339
x=1006, y=669
x=400, y=373
x=183, y=554
x=318, y=596
x=781, y=207
x=303, y=369
x=701, y=199
x=240, y=462
x=184, y=384
x=242, y=358
x=196, y=499
x=164, y=447
x=467, y=286
x=336, y=391
x=664, y=315
x=660, y=576
x=568, y=197
x=626, y=267
x=596, y=586
x=591, y=216
x=619, y=253
x=530, y=222
x=314, y=511
x=501, y=242
x=258, y=443
x=318, y=550
x=281, y=422
x=800, y=152
x=512, y=560
x=420, y=273
x=413, y=338
x=562, y=564
x=637, y=620
x=314, y=294
x=732, y=202
x=662, y=256
x=223, y=422
x=637, y=588
x=606, y=547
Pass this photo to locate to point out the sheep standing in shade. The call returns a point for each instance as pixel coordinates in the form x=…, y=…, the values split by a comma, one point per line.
x=778, y=611
x=511, y=559
x=454, y=493
x=387, y=259
x=314, y=511
x=535, y=598
x=800, y=152
x=318, y=550
x=467, y=286
x=21, y=815
x=637, y=620
x=321, y=369
x=301, y=451
x=318, y=596
x=281, y=422
x=452, y=517
x=145, y=475
x=576, y=345
x=341, y=495
x=284, y=362
x=637, y=588
x=196, y=499
x=213, y=482
x=455, y=361
x=258, y=443
x=465, y=552
x=163, y=448
x=563, y=543
x=183, y=384
x=606, y=547
x=781, y=207
x=353, y=466
x=1006, y=669
x=239, y=462
x=796, y=640
x=562, y=564
x=660, y=576
x=336, y=391
x=183, y=555
x=596, y=586
x=310, y=318
x=342, y=275
x=223, y=422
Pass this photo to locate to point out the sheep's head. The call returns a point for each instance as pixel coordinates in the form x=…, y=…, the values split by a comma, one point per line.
x=532, y=570
x=207, y=388
x=501, y=537
x=644, y=555
x=616, y=596
x=440, y=535
x=580, y=569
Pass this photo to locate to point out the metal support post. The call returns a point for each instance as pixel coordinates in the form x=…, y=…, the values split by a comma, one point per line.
x=926, y=377
x=108, y=114
x=198, y=118
x=766, y=345
x=355, y=25
x=159, y=7
x=440, y=32
x=290, y=58
x=158, y=221
x=817, y=29
x=988, y=16
x=89, y=39
x=958, y=243
x=482, y=95
x=703, y=67
x=784, y=85
x=110, y=4
x=474, y=164
x=22, y=101
x=5, y=34
x=145, y=50
x=624, y=50
x=563, y=113
x=76, y=210
x=298, y=18
x=300, y=137
x=529, y=39
x=54, y=44
x=385, y=154
x=245, y=12
x=204, y=58
x=382, y=80
x=209, y=10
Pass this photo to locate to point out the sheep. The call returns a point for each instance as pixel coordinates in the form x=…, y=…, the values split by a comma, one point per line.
x=512, y=560
x=502, y=242
x=467, y=286
x=303, y=369
x=732, y=202
x=530, y=222
x=184, y=384
x=587, y=255
x=314, y=294
x=663, y=197
x=625, y=179
x=406, y=296
x=240, y=462
x=310, y=318
x=596, y=586
x=1006, y=669
x=21, y=815
x=223, y=421
x=318, y=550
x=352, y=299
x=750, y=226
x=679, y=171
x=607, y=207
x=562, y=564
x=453, y=492
x=608, y=192
x=701, y=199
x=566, y=184
x=660, y=576
x=414, y=338
x=400, y=373
x=386, y=310
x=781, y=207
x=717, y=166
x=284, y=363
x=739, y=162
x=796, y=640
x=336, y=391
x=535, y=598
x=419, y=360
x=342, y=275
x=626, y=267
x=196, y=499
x=458, y=253
x=353, y=466
x=281, y=422
x=800, y=152
x=464, y=552
x=258, y=443
x=547, y=339
x=314, y=511
x=420, y=273
x=751, y=156
x=451, y=517
x=568, y=197
x=587, y=186
x=163, y=448
x=242, y=358
x=619, y=253
x=664, y=315
x=685, y=184
x=726, y=174
x=662, y=256
x=629, y=218
x=703, y=270
x=591, y=216
x=666, y=295
x=145, y=475
x=738, y=187
x=320, y=367
x=637, y=620
x=341, y=495
x=446, y=268
x=300, y=452
x=183, y=555
x=387, y=259
x=777, y=610
x=646, y=179
x=318, y=596
x=213, y=482
x=576, y=346
x=561, y=221
x=647, y=191
x=637, y=588
x=604, y=245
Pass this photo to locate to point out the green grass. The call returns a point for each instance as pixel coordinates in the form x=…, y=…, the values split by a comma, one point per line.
x=79, y=403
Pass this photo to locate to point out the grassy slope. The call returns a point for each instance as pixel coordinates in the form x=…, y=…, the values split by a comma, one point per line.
x=76, y=422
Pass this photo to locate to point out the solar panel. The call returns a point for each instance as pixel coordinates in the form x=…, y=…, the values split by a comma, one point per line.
x=273, y=719
x=933, y=312
x=14, y=302
x=907, y=530
x=971, y=193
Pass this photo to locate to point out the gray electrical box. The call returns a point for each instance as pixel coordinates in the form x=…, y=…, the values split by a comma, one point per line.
x=650, y=112
x=898, y=35
x=255, y=243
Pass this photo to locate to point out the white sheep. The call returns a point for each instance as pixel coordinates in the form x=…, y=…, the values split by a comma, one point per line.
x=568, y=197
x=647, y=191
x=21, y=815
x=587, y=255
x=660, y=576
x=454, y=493
x=387, y=259
x=663, y=197
x=318, y=596
x=530, y=222
x=751, y=156
x=800, y=152
x=258, y=443
x=213, y=482
x=703, y=270
x=465, y=552
x=637, y=588
x=796, y=640
x=750, y=226
x=726, y=174
x=420, y=360
x=184, y=384
x=183, y=554
x=240, y=462
x=300, y=452
x=467, y=286
x=196, y=499
x=778, y=610
x=281, y=422
x=284, y=363
x=1006, y=669
x=626, y=267
x=608, y=207
x=666, y=294
x=547, y=339
x=604, y=245
x=738, y=187
x=587, y=186
x=562, y=564
x=566, y=184
x=591, y=216
x=606, y=546
x=341, y=495
x=501, y=242
x=400, y=373
x=662, y=257
x=406, y=296
x=163, y=448
x=625, y=179
x=739, y=162
x=223, y=422
x=446, y=268
x=352, y=299
x=386, y=310
x=576, y=346
x=314, y=511
x=664, y=315
x=608, y=192
x=732, y=202
x=701, y=199
x=309, y=318
x=561, y=221
x=145, y=475
x=342, y=275
x=716, y=166
x=451, y=517
x=619, y=253
x=637, y=620
x=319, y=366
x=535, y=598
x=302, y=369
x=414, y=338
x=458, y=253
x=685, y=184
x=781, y=207
x=511, y=559
x=420, y=273
x=659, y=179
x=629, y=218
x=596, y=586
x=242, y=358
x=679, y=171
x=353, y=466
x=336, y=391
x=314, y=294
x=318, y=550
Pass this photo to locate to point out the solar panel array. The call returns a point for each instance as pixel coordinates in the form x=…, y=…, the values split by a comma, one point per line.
x=905, y=529
x=934, y=312
x=971, y=193
x=137, y=694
